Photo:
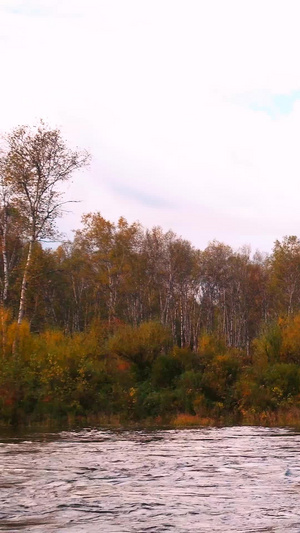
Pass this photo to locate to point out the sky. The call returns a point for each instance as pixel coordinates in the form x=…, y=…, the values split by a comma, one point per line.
x=190, y=109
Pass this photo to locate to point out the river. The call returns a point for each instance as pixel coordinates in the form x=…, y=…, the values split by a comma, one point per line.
x=244, y=479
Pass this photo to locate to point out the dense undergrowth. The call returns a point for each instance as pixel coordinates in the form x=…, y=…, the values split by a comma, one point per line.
x=123, y=375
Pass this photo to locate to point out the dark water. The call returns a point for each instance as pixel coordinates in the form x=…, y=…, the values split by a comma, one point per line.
x=206, y=480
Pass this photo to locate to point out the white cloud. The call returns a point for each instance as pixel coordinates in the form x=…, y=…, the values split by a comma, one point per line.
x=152, y=88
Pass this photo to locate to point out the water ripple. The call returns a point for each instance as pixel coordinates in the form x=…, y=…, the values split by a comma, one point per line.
x=205, y=480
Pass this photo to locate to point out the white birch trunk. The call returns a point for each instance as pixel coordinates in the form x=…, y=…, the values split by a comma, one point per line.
x=4, y=256
x=24, y=284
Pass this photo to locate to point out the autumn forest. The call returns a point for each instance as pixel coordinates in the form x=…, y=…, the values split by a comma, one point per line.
x=126, y=325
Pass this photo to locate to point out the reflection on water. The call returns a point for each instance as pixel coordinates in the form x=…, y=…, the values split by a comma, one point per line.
x=205, y=480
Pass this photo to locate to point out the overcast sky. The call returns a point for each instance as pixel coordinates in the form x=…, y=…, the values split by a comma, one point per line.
x=190, y=108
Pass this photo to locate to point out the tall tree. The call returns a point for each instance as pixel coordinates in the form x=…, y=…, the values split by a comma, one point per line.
x=285, y=274
x=36, y=162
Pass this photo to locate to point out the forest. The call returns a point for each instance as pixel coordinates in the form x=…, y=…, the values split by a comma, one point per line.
x=126, y=325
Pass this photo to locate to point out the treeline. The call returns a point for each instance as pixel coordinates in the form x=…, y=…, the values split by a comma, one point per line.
x=122, y=273
x=129, y=324
x=124, y=324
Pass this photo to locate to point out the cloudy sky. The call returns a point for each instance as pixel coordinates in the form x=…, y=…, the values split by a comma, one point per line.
x=190, y=108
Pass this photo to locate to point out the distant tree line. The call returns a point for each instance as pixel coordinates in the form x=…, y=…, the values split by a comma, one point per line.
x=122, y=272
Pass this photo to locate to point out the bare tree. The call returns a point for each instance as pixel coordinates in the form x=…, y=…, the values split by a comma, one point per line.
x=36, y=162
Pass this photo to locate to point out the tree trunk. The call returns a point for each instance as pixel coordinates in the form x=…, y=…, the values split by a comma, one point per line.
x=5, y=278
x=24, y=284
x=4, y=256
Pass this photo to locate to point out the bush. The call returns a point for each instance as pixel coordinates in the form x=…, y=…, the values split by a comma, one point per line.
x=165, y=370
x=141, y=345
x=220, y=377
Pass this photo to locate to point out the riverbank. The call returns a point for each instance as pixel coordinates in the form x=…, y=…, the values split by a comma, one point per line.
x=281, y=418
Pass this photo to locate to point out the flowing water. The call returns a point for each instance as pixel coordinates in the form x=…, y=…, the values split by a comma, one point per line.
x=206, y=480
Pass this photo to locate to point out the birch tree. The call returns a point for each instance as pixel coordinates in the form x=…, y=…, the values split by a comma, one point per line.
x=36, y=163
x=4, y=195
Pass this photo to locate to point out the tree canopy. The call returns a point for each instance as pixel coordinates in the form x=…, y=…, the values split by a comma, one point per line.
x=34, y=162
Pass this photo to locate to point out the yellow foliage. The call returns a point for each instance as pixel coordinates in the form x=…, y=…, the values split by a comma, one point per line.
x=210, y=345
x=14, y=337
x=205, y=343
x=290, y=349
x=259, y=354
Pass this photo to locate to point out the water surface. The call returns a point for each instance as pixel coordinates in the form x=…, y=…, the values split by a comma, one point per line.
x=206, y=480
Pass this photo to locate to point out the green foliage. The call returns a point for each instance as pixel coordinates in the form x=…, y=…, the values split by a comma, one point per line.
x=188, y=359
x=282, y=380
x=141, y=345
x=267, y=347
x=165, y=369
x=189, y=386
x=56, y=376
x=219, y=379
x=151, y=403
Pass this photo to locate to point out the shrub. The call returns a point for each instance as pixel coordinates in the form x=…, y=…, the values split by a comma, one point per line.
x=165, y=370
